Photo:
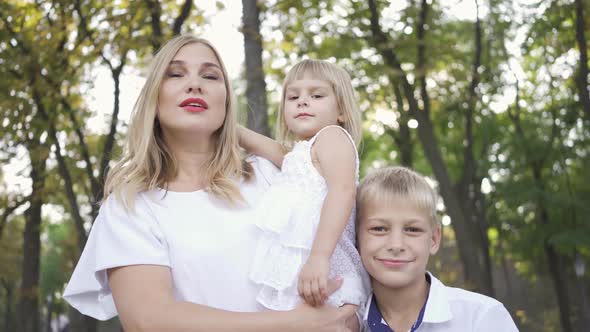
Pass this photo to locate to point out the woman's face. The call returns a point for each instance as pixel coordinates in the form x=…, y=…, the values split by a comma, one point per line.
x=192, y=96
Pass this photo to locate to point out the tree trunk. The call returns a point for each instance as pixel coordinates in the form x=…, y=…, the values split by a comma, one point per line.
x=8, y=319
x=256, y=86
x=49, y=313
x=403, y=138
x=582, y=78
x=554, y=260
x=28, y=307
x=471, y=252
x=81, y=323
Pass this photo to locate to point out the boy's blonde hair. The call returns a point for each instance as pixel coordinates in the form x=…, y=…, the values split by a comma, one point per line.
x=340, y=82
x=397, y=182
x=147, y=162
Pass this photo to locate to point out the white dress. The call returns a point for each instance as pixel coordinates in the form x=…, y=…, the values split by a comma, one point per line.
x=289, y=214
x=207, y=244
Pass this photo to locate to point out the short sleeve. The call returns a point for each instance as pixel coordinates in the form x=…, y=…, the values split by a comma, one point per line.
x=117, y=238
x=495, y=318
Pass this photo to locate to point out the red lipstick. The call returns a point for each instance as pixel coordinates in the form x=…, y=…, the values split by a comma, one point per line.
x=194, y=105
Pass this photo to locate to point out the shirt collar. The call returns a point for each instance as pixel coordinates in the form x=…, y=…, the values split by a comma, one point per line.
x=436, y=310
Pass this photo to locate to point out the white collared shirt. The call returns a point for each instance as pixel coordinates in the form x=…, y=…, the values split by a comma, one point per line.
x=457, y=310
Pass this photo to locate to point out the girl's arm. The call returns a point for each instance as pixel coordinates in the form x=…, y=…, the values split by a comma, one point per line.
x=335, y=157
x=144, y=299
x=261, y=145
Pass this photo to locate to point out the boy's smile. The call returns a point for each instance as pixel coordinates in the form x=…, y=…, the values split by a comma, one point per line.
x=396, y=239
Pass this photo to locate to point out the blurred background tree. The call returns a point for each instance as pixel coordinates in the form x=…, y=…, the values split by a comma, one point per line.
x=494, y=108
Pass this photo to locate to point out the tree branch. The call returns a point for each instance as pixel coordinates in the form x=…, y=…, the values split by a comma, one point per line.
x=64, y=171
x=182, y=16
x=155, y=14
x=8, y=211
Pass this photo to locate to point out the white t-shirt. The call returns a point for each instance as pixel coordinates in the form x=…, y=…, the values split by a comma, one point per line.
x=450, y=309
x=207, y=244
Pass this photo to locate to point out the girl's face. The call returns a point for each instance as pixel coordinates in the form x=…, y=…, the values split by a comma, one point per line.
x=310, y=105
x=192, y=96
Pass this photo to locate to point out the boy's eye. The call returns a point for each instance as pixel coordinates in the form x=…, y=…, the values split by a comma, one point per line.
x=413, y=229
x=378, y=229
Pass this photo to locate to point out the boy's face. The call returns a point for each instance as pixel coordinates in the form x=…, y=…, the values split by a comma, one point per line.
x=395, y=240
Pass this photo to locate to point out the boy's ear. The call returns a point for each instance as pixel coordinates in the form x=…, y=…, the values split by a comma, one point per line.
x=435, y=240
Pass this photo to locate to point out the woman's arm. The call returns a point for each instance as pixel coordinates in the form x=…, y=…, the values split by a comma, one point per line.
x=261, y=145
x=335, y=157
x=144, y=299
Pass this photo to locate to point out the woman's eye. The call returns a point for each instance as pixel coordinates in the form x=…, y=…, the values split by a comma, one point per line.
x=174, y=74
x=211, y=77
x=378, y=229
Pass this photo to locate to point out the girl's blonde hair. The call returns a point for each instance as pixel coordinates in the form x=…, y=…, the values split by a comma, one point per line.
x=148, y=163
x=397, y=182
x=340, y=82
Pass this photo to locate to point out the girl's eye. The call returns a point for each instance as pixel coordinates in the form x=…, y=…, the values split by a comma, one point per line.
x=292, y=97
x=317, y=96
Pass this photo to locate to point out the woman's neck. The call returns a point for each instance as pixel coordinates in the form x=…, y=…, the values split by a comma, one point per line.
x=192, y=160
x=401, y=306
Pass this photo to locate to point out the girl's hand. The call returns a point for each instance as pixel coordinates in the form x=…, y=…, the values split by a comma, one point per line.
x=313, y=280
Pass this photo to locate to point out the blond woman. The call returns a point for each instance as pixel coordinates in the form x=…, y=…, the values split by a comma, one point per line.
x=171, y=247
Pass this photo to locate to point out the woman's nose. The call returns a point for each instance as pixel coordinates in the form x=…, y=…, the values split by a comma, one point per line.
x=194, y=85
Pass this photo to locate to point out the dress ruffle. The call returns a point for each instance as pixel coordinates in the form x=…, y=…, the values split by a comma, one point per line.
x=288, y=227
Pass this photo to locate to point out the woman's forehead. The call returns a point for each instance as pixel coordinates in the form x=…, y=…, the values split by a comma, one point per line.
x=196, y=54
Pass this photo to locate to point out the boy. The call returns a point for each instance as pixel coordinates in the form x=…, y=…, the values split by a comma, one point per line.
x=397, y=231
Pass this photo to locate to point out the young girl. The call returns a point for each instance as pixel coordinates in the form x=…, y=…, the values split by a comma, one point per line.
x=307, y=215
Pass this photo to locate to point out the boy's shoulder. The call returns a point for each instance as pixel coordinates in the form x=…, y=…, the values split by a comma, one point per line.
x=460, y=297
x=456, y=294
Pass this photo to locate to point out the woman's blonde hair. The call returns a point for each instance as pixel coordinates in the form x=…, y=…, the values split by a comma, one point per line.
x=340, y=82
x=148, y=163
x=395, y=182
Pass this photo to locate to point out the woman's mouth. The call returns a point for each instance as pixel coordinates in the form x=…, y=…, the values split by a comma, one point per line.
x=194, y=105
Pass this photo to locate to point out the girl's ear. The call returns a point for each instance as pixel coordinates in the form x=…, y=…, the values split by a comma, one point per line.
x=340, y=118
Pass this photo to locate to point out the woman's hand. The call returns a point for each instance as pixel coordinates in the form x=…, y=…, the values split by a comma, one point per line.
x=313, y=280
x=326, y=318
